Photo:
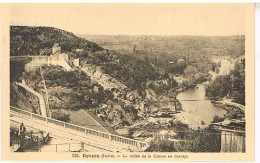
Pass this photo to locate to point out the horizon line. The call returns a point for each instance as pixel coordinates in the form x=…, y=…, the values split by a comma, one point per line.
x=77, y=34
x=159, y=35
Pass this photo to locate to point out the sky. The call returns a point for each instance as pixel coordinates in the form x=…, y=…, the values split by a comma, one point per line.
x=134, y=19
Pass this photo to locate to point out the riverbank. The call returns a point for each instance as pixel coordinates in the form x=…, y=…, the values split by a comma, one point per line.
x=181, y=118
x=234, y=110
x=198, y=111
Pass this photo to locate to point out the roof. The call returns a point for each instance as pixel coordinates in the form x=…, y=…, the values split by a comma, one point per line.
x=89, y=120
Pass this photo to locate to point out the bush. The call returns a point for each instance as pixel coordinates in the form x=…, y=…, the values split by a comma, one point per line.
x=158, y=145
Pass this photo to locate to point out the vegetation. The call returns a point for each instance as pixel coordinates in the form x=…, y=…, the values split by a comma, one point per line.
x=177, y=68
x=232, y=85
x=70, y=90
x=174, y=53
x=220, y=87
x=174, y=46
x=158, y=145
x=131, y=71
x=17, y=68
x=186, y=56
x=206, y=140
x=26, y=40
x=150, y=69
x=188, y=140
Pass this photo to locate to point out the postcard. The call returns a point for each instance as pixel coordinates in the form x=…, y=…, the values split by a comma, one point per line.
x=127, y=82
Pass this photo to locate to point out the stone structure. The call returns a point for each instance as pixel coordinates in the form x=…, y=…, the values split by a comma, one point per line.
x=232, y=135
x=56, y=58
x=56, y=48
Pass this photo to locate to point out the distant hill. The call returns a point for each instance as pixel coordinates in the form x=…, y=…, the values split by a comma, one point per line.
x=192, y=46
x=27, y=40
x=130, y=70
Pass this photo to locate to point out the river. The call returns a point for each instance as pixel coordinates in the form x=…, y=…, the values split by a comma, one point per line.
x=197, y=111
x=200, y=113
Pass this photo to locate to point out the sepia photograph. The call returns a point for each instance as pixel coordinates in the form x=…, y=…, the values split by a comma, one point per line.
x=129, y=78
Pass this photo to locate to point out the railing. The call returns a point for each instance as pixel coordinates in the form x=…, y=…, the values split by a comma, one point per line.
x=63, y=147
x=84, y=130
x=28, y=56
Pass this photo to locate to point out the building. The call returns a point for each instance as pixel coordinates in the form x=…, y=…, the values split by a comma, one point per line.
x=89, y=120
x=56, y=48
x=56, y=58
x=232, y=135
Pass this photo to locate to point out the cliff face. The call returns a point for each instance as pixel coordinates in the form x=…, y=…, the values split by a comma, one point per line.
x=20, y=100
x=118, y=88
x=105, y=80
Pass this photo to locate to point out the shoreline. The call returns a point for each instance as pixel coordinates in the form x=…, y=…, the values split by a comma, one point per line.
x=232, y=110
x=182, y=116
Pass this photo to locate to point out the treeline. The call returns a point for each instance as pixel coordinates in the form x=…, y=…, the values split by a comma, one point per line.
x=132, y=71
x=200, y=140
x=174, y=53
x=231, y=86
x=129, y=70
x=195, y=141
x=17, y=67
x=188, y=46
x=25, y=40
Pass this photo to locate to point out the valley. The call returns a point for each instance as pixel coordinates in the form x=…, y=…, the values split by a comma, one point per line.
x=157, y=89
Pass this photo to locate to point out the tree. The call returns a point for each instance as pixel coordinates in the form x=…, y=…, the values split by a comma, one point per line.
x=158, y=145
x=199, y=77
x=190, y=70
x=220, y=87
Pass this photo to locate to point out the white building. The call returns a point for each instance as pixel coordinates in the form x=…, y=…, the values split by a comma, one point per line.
x=56, y=58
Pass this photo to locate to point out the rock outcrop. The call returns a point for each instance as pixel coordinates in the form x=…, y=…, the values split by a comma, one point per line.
x=103, y=79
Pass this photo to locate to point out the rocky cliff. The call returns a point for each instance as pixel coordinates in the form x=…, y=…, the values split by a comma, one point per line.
x=120, y=89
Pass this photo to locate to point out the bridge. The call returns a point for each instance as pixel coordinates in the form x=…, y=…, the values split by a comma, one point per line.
x=100, y=140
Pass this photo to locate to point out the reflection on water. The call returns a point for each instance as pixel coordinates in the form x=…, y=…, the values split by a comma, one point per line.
x=197, y=111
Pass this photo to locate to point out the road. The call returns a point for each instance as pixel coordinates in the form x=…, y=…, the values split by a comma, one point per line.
x=97, y=142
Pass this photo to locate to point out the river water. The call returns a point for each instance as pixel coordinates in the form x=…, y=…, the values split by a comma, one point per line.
x=202, y=110
x=200, y=113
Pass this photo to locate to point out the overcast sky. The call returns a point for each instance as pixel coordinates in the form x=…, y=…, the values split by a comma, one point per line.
x=134, y=19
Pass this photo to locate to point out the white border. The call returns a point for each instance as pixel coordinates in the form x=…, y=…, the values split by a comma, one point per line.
x=129, y=1
x=257, y=81
x=257, y=48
